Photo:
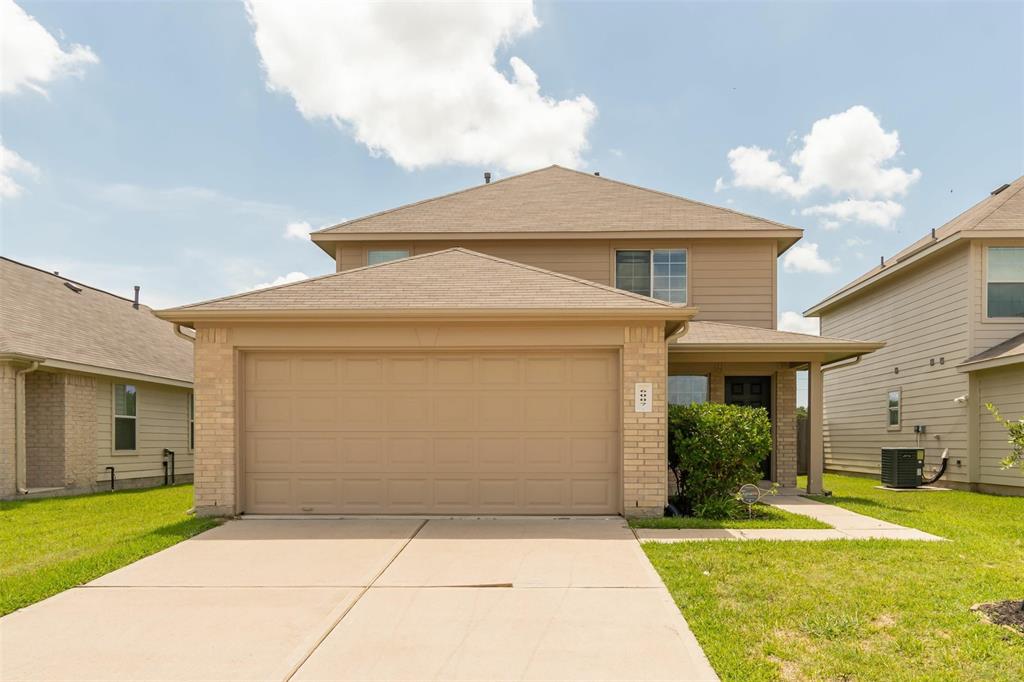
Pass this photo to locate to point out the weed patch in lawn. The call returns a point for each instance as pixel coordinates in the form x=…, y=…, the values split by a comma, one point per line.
x=50, y=545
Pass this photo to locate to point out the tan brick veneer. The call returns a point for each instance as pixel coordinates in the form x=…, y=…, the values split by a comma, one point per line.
x=214, y=468
x=785, y=428
x=8, y=484
x=644, y=359
x=60, y=429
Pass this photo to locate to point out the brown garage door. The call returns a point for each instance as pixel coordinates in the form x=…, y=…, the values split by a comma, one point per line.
x=411, y=433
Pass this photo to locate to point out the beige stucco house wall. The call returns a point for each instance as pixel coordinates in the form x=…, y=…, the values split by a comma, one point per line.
x=57, y=378
x=943, y=353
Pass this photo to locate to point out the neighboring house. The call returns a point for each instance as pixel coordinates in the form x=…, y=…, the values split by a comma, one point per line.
x=88, y=381
x=507, y=349
x=950, y=308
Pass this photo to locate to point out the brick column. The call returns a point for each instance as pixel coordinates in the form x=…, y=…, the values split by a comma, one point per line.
x=44, y=430
x=214, y=388
x=8, y=434
x=79, y=430
x=785, y=428
x=644, y=360
x=716, y=384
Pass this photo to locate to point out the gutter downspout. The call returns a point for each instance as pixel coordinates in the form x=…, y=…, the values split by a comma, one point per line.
x=679, y=330
x=178, y=332
x=20, y=467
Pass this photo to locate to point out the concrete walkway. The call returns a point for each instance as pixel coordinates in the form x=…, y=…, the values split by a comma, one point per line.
x=368, y=599
x=846, y=525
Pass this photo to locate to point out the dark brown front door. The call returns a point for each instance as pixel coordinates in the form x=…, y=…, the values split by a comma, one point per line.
x=754, y=392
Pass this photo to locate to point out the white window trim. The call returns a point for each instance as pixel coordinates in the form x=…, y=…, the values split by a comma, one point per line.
x=686, y=277
x=984, y=284
x=115, y=416
x=899, y=409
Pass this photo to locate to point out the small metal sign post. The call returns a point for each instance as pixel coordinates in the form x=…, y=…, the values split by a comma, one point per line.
x=749, y=495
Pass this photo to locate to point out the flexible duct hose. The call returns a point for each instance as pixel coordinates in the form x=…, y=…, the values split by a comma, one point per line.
x=941, y=471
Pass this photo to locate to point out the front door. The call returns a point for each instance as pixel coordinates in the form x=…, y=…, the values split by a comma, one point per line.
x=754, y=392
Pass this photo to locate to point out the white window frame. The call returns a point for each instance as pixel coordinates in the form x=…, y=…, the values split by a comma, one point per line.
x=651, y=252
x=889, y=409
x=985, y=316
x=115, y=416
x=370, y=252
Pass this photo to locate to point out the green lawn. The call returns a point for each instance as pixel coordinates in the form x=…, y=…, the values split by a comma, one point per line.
x=764, y=517
x=49, y=545
x=860, y=610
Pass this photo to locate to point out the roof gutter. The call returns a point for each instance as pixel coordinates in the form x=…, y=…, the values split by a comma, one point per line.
x=677, y=330
x=178, y=332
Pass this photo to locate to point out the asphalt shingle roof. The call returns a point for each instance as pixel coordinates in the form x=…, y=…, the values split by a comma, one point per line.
x=41, y=317
x=444, y=280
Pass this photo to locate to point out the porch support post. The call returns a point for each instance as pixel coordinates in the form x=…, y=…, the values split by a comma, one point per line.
x=815, y=416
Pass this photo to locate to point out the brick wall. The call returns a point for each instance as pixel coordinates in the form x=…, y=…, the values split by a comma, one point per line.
x=8, y=442
x=644, y=360
x=44, y=430
x=785, y=428
x=79, y=430
x=60, y=429
x=214, y=467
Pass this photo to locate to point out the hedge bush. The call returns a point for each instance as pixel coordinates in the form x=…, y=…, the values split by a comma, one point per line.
x=713, y=450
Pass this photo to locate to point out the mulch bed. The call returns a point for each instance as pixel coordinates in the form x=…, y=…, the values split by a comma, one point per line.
x=1009, y=614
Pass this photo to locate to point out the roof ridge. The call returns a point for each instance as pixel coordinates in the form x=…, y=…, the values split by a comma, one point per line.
x=430, y=199
x=578, y=280
x=996, y=206
x=68, y=279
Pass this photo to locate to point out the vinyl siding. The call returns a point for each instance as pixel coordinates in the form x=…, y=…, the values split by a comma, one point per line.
x=922, y=315
x=1004, y=387
x=162, y=423
x=987, y=333
x=728, y=280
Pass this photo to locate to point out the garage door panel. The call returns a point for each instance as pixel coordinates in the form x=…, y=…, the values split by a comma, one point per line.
x=462, y=433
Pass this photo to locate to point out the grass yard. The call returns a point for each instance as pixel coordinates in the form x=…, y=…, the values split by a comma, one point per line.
x=764, y=517
x=49, y=545
x=860, y=610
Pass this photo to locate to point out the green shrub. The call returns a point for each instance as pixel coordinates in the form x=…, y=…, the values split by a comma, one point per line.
x=713, y=450
x=1015, y=431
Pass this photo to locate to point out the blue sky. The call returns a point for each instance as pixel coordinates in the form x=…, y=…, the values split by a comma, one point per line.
x=159, y=156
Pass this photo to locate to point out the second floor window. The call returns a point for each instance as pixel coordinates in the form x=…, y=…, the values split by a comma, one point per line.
x=659, y=273
x=376, y=256
x=1005, y=281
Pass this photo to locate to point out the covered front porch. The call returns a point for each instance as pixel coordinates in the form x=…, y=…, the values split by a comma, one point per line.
x=733, y=364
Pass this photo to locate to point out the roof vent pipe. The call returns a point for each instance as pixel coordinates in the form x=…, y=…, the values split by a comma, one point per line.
x=933, y=234
x=597, y=173
x=881, y=261
x=135, y=303
x=487, y=177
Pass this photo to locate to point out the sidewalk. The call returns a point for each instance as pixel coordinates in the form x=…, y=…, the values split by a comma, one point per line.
x=846, y=525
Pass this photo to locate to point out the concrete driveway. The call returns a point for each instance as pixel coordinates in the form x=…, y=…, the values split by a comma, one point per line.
x=368, y=599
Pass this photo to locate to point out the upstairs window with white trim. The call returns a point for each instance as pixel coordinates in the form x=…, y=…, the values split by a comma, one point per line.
x=893, y=407
x=125, y=416
x=658, y=273
x=376, y=256
x=1005, y=281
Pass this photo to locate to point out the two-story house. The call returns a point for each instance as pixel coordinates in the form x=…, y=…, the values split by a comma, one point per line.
x=507, y=349
x=950, y=308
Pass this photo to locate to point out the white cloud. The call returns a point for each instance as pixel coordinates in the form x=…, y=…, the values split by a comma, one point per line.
x=297, y=230
x=846, y=153
x=418, y=82
x=790, y=321
x=283, y=279
x=830, y=225
x=880, y=213
x=857, y=241
x=804, y=258
x=11, y=164
x=31, y=57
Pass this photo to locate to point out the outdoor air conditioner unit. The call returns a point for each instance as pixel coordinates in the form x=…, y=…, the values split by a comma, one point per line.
x=902, y=467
